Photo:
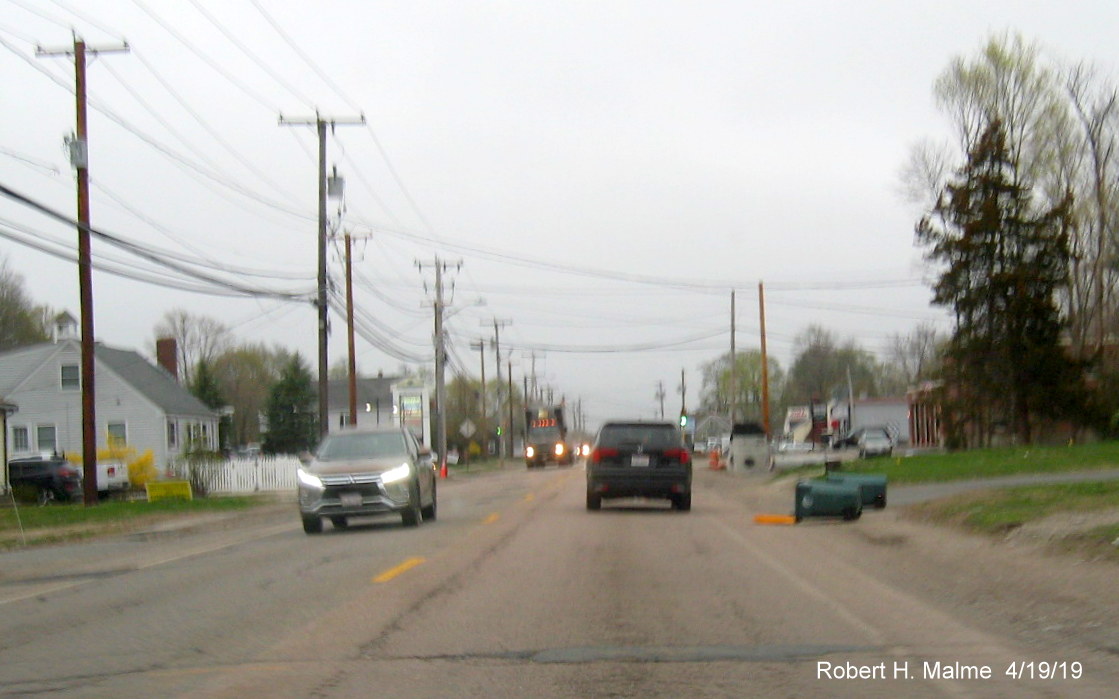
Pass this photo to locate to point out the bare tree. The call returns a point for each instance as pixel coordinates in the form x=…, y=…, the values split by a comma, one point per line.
x=1096, y=107
x=914, y=357
x=198, y=338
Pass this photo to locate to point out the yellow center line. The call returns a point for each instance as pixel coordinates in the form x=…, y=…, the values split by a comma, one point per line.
x=402, y=568
x=530, y=497
x=491, y=518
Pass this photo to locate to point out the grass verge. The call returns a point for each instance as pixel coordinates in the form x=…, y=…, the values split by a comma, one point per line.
x=58, y=522
x=1002, y=511
x=981, y=463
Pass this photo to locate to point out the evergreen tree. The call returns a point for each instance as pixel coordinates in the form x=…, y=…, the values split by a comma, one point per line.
x=205, y=387
x=1003, y=267
x=291, y=409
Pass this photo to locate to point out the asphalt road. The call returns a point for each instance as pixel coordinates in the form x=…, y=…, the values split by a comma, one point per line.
x=518, y=591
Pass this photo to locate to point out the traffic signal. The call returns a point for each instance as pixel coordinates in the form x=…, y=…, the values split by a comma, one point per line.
x=683, y=420
x=499, y=431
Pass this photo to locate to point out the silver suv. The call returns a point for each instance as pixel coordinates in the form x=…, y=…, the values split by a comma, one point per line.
x=360, y=472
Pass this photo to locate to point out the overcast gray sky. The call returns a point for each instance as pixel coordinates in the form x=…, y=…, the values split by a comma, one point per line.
x=606, y=172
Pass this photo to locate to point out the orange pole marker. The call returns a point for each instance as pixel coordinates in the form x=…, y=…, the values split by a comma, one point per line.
x=774, y=519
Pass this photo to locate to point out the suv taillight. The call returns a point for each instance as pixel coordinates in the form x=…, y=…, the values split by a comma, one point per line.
x=681, y=455
x=602, y=452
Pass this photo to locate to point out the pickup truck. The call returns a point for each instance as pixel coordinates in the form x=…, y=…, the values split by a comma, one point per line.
x=112, y=476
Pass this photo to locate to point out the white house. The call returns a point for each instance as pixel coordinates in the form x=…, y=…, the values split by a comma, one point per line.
x=137, y=402
x=384, y=400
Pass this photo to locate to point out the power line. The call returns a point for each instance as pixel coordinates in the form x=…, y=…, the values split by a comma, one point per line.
x=263, y=65
x=142, y=252
x=244, y=87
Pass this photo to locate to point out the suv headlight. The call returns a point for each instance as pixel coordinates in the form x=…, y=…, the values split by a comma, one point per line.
x=395, y=475
x=308, y=480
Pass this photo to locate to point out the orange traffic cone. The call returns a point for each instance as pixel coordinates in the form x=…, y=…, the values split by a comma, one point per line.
x=443, y=469
x=714, y=461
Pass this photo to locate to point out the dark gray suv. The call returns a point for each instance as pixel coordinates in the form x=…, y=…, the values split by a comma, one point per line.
x=50, y=478
x=361, y=472
x=639, y=459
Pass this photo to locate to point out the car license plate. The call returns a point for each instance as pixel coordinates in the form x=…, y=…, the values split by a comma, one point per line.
x=350, y=499
x=639, y=460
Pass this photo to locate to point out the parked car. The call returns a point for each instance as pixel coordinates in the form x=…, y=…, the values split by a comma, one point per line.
x=874, y=443
x=788, y=446
x=851, y=439
x=49, y=478
x=639, y=459
x=358, y=472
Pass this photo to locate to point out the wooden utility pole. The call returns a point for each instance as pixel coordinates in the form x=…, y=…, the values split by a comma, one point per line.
x=765, y=362
x=320, y=127
x=497, y=325
x=510, y=361
x=351, y=354
x=683, y=394
x=79, y=158
x=440, y=363
x=733, y=367
x=480, y=345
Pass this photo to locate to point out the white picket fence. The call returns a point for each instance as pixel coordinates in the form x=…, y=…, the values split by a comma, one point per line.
x=243, y=476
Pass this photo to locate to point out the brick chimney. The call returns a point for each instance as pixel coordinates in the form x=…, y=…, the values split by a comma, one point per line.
x=167, y=354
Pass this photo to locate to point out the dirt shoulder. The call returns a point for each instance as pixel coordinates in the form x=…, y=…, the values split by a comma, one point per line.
x=1021, y=584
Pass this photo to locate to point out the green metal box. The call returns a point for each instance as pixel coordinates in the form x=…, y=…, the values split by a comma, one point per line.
x=872, y=486
x=823, y=499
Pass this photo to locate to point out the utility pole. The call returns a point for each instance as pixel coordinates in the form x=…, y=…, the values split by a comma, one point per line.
x=660, y=396
x=765, y=362
x=683, y=394
x=79, y=158
x=510, y=361
x=440, y=362
x=480, y=345
x=535, y=388
x=733, y=368
x=351, y=354
x=320, y=127
x=497, y=325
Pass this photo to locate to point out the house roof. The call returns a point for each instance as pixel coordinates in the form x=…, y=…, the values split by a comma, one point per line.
x=154, y=382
